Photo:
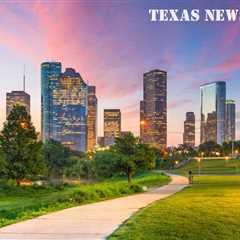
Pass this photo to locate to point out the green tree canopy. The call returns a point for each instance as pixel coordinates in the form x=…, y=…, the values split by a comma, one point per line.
x=57, y=157
x=133, y=156
x=20, y=146
x=209, y=149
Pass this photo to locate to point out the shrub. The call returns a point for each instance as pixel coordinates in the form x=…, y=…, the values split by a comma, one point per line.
x=135, y=188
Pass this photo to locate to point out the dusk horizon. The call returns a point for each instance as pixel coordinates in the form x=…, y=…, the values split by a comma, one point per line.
x=114, y=54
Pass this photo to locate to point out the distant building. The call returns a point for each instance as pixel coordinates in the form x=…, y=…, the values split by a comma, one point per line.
x=123, y=133
x=153, y=109
x=92, y=118
x=189, y=130
x=100, y=141
x=213, y=98
x=142, y=121
x=64, y=106
x=230, y=124
x=112, y=125
x=15, y=98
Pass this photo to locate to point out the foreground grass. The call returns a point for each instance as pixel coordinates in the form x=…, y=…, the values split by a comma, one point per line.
x=211, y=166
x=27, y=202
x=208, y=210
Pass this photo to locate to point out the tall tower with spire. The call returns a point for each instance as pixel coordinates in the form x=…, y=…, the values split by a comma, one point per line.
x=20, y=98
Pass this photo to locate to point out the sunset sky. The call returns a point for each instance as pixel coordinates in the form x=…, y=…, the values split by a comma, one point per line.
x=111, y=44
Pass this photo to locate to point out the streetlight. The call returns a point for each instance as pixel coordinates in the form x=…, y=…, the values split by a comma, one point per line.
x=199, y=165
x=226, y=159
x=23, y=125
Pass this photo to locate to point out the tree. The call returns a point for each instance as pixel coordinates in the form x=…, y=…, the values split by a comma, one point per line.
x=106, y=163
x=20, y=147
x=3, y=165
x=57, y=158
x=133, y=155
x=209, y=149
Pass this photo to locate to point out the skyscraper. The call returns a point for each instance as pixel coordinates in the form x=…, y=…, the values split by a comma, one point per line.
x=20, y=98
x=153, y=109
x=230, y=124
x=213, y=97
x=112, y=125
x=15, y=98
x=50, y=73
x=91, y=118
x=64, y=106
x=189, y=130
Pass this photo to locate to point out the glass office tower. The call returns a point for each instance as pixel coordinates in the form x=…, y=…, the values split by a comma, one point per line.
x=70, y=110
x=64, y=106
x=230, y=124
x=112, y=125
x=153, y=109
x=50, y=73
x=189, y=130
x=213, y=98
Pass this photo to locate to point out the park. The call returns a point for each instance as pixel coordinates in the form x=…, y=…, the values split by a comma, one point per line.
x=135, y=190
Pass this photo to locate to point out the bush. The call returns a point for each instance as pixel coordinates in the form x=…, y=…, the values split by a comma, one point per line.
x=106, y=164
x=135, y=188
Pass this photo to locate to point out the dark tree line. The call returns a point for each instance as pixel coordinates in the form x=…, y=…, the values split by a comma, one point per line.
x=23, y=156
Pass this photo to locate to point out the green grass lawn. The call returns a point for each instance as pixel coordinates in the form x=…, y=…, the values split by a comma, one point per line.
x=18, y=203
x=207, y=210
x=211, y=166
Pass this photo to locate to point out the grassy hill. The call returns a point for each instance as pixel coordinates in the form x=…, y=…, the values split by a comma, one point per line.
x=211, y=166
x=207, y=210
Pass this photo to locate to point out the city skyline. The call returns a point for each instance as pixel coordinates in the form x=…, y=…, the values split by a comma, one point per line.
x=188, y=58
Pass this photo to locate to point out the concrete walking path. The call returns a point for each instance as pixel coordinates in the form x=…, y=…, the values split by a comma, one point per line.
x=89, y=222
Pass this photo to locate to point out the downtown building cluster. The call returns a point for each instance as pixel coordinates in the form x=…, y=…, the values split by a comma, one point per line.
x=69, y=110
x=218, y=115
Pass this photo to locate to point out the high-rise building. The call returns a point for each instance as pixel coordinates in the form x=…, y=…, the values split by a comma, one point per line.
x=15, y=98
x=100, y=141
x=153, y=109
x=50, y=73
x=189, y=130
x=213, y=98
x=91, y=118
x=64, y=106
x=142, y=121
x=112, y=125
x=230, y=118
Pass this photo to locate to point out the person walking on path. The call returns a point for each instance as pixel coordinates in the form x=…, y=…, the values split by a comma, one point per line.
x=190, y=177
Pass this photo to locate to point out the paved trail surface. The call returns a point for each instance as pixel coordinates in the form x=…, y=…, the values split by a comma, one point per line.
x=89, y=222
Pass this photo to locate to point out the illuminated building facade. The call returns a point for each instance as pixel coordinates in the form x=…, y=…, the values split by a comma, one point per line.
x=230, y=121
x=15, y=98
x=153, y=109
x=142, y=121
x=91, y=118
x=112, y=125
x=213, y=98
x=64, y=106
x=101, y=141
x=50, y=73
x=70, y=110
x=189, y=130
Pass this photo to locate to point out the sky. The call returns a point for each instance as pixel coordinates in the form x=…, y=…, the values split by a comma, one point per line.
x=111, y=44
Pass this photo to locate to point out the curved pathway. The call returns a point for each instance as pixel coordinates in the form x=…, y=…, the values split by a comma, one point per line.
x=93, y=221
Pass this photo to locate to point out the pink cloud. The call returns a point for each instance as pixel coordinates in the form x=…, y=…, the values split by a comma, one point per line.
x=230, y=64
x=178, y=103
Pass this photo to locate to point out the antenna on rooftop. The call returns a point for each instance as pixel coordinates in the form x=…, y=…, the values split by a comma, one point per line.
x=24, y=78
